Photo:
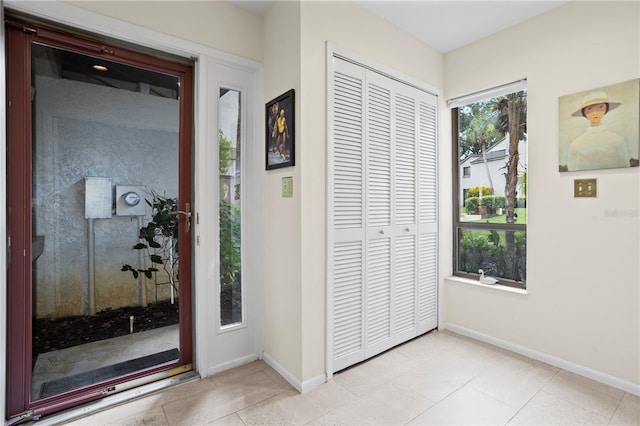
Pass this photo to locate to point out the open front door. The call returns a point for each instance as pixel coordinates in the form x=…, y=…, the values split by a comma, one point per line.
x=99, y=213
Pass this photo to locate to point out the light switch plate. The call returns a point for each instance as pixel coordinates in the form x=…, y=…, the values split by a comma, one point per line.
x=583, y=188
x=287, y=187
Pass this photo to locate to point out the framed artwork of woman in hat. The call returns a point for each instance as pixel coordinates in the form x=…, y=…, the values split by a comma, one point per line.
x=599, y=128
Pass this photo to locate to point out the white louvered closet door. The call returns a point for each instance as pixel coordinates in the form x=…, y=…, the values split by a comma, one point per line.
x=382, y=214
x=347, y=184
x=379, y=215
x=405, y=170
x=427, y=284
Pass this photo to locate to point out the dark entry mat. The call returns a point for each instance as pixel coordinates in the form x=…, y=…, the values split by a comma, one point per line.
x=101, y=374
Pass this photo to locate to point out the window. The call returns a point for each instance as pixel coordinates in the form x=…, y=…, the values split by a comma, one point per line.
x=229, y=145
x=490, y=184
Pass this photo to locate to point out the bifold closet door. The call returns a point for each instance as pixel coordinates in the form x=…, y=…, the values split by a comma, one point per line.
x=382, y=268
x=348, y=215
x=427, y=218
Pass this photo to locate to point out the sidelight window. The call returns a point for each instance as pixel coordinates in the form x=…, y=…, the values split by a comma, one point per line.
x=230, y=169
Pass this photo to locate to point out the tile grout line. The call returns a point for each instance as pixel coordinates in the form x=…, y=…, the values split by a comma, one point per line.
x=533, y=396
x=617, y=408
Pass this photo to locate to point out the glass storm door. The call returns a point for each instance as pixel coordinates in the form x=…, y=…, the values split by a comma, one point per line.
x=99, y=193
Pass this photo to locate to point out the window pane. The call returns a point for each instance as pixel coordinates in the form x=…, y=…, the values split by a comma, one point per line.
x=491, y=149
x=231, y=306
x=485, y=151
x=502, y=254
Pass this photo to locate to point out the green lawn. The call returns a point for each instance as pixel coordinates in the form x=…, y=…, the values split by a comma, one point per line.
x=521, y=218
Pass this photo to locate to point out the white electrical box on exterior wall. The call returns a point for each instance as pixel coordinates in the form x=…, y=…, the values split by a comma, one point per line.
x=130, y=200
x=97, y=198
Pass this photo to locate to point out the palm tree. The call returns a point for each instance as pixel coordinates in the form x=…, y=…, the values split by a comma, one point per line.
x=512, y=119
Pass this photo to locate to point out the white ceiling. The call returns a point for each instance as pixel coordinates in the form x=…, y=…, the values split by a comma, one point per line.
x=444, y=25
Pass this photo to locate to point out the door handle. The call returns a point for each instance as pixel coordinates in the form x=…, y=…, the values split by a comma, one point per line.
x=187, y=215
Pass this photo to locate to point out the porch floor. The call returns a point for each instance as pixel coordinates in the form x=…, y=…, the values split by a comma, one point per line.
x=83, y=358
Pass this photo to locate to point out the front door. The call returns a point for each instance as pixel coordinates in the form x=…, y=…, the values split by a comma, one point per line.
x=99, y=215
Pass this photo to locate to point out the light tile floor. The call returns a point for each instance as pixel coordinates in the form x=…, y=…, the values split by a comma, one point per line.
x=440, y=378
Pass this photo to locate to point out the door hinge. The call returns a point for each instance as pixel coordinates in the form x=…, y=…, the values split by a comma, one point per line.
x=22, y=417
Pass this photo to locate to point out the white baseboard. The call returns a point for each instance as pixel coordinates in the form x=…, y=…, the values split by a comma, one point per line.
x=599, y=376
x=313, y=383
x=300, y=386
x=231, y=364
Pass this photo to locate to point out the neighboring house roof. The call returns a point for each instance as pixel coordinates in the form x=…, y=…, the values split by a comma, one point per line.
x=498, y=151
x=491, y=156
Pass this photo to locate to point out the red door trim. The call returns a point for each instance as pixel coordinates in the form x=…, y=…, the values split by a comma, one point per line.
x=185, y=158
x=18, y=220
x=19, y=137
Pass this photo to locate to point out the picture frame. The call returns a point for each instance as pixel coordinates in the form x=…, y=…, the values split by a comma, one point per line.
x=605, y=139
x=280, y=135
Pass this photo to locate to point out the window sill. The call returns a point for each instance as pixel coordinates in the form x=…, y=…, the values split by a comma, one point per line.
x=497, y=287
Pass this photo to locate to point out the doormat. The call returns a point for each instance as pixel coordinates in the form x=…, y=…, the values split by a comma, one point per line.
x=101, y=374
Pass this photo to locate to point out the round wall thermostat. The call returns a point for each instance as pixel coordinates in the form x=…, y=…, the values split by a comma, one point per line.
x=131, y=198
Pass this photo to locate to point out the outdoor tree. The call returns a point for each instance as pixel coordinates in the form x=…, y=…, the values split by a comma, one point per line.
x=512, y=119
x=479, y=121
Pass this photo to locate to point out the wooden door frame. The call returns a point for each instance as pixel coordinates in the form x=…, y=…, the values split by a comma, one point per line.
x=19, y=142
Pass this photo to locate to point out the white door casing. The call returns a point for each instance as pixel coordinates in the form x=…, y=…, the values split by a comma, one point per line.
x=238, y=344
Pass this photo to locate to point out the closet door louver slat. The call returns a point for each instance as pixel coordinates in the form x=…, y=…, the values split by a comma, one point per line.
x=378, y=291
x=348, y=138
x=405, y=163
x=405, y=284
x=427, y=162
x=427, y=284
x=378, y=156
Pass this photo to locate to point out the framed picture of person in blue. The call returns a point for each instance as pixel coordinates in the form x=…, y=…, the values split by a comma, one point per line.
x=600, y=128
x=280, y=132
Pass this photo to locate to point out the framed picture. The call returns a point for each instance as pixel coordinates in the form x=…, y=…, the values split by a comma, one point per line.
x=600, y=128
x=280, y=135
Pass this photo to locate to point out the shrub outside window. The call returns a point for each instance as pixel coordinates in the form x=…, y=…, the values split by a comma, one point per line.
x=490, y=185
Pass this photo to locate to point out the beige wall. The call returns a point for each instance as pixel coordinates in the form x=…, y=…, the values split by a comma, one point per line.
x=281, y=216
x=583, y=301
x=216, y=24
